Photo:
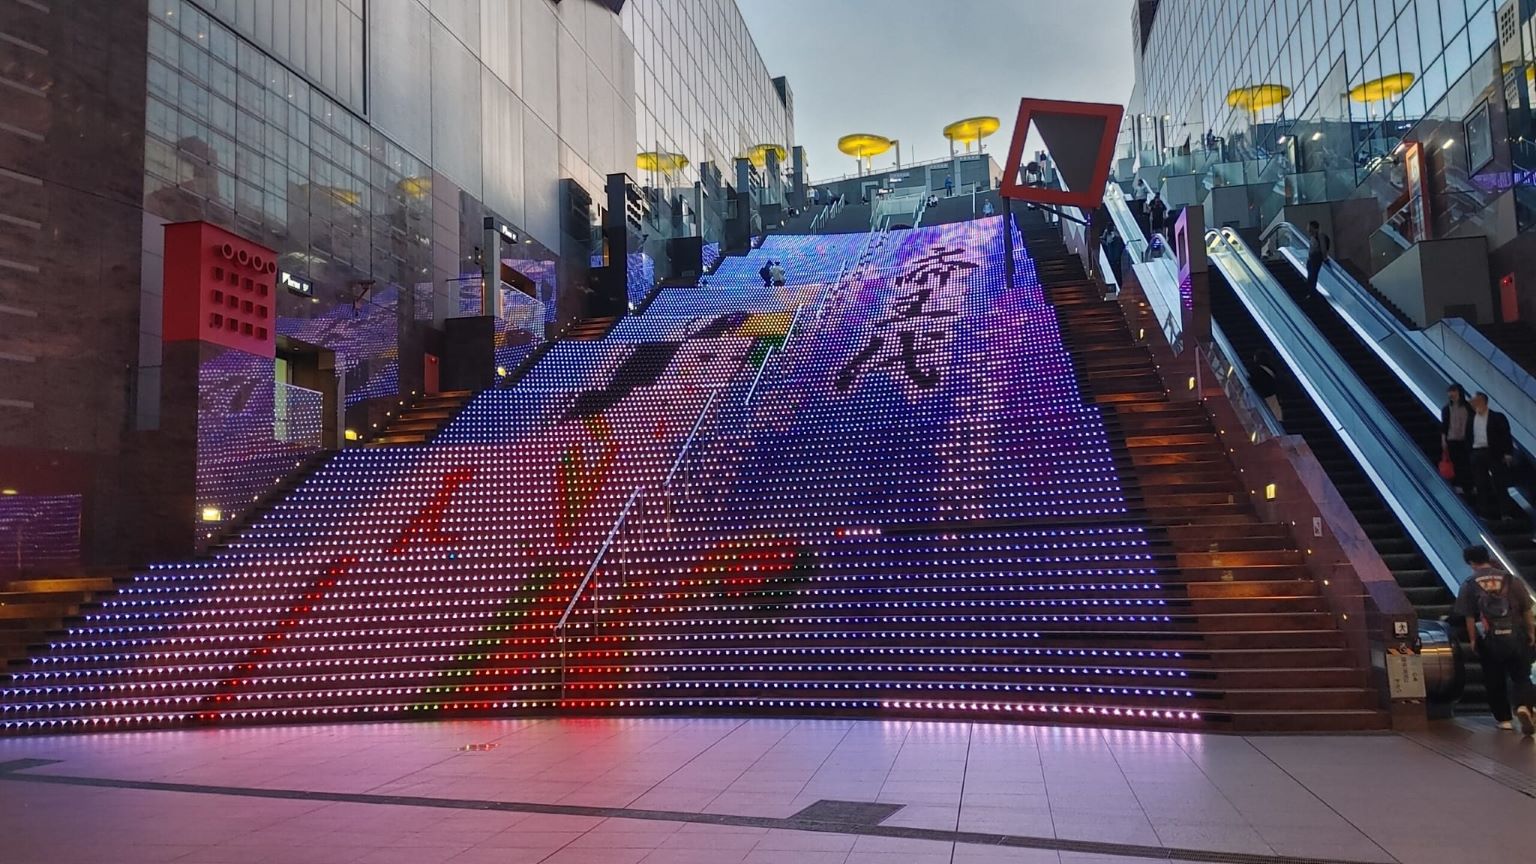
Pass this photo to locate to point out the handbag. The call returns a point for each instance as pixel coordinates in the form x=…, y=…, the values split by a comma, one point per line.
x=1447, y=467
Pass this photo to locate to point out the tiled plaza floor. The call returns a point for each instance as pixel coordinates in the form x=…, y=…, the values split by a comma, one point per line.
x=718, y=791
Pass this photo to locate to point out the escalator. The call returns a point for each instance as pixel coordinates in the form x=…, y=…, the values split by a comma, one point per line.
x=1394, y=394
x=1426, y=588
x=1430, y=596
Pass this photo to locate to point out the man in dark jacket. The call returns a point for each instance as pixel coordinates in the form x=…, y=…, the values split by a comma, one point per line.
x=1493, y=453
x=1501, y=625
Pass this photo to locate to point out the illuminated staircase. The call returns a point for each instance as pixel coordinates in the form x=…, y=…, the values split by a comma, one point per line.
x=898, y=485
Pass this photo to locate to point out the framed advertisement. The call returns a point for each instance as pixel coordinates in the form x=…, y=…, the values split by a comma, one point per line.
x=1479, y=133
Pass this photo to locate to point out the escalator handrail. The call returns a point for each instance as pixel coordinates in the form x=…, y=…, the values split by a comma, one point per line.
x=1165, y=286
x=1418, y=357
x=1438, y=520
x=1368, y=318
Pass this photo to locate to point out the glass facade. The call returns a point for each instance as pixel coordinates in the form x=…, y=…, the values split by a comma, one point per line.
x=1221, y=47
x=1311, y=101
x=701, y=87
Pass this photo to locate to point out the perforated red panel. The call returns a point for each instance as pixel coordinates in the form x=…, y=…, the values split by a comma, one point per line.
x=1080, y=137
x=218, y=289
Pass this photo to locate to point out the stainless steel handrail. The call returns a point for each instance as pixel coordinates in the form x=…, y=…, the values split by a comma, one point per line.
x=1439, y=521
x=1421, y=359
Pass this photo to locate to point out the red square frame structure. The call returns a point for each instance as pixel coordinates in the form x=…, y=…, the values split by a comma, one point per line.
x=1087, y=198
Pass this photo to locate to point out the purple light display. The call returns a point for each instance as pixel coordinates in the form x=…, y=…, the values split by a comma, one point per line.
x=251, y=432
x=365, y=338
x=39, y=531
x=926, y=397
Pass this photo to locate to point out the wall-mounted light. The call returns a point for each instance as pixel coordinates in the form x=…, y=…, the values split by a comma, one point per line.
x=212, y=514
x=1271, y=491
x=9, y=491
x=1317, y=136
x=351, y=435
x=1449, y=143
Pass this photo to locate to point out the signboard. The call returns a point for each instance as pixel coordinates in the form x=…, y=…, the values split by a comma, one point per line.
x=1405, y=674
x=295, y=284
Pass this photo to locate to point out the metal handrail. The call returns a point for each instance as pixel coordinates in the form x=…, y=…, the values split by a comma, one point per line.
x=1421, y=359
x=692, y=435
x=907, y=167
x=597, y=559
x=1439, y=521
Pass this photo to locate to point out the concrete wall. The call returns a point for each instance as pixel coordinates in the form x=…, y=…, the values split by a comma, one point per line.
x=1439, y=279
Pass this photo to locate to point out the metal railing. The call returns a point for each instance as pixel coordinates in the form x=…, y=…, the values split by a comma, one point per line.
x=1426, y=361
x=894, y=169
x=658, y=500
x=1439, y=522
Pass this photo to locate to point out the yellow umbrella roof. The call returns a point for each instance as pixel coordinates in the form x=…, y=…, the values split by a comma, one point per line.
x=759, y=155
x=972, y=128
x=654, y=160
x=1257, y=97
x=863, y=145
x=1385, y=87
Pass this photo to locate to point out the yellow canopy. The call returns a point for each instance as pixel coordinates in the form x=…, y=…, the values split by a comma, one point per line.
x=666, y=163
x=862, y=145
x=759, y=155
x=972, y=129
x=1384, y=88
x=1257, y=97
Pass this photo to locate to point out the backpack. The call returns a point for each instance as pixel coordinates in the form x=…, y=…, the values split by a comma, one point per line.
x=1497, y=612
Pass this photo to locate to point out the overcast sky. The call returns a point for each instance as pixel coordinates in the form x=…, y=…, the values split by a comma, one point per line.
x=906, y=68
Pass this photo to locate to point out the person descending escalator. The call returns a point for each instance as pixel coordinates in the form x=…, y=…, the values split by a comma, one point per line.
x=1501, y=625
x=1493, y=454
x=1456, y=437
x=1317, y=255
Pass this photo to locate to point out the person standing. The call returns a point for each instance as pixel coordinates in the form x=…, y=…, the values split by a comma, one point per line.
x=1317, y=255
x=1493, y=451
x=1456, y=435
x=1114, y=251
x=1157, y=213
x=986, y=208
x=1501, y=625
x=949, y=187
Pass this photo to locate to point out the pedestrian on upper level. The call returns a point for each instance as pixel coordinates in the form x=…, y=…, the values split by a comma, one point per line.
x=1493, y=454
x=986, y=208
x=1317, y=256
x=1501, y=625
x=949, y=186
x=1157, y=213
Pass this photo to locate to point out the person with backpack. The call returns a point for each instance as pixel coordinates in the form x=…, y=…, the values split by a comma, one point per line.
x=1501, y=624
x=767, y=274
